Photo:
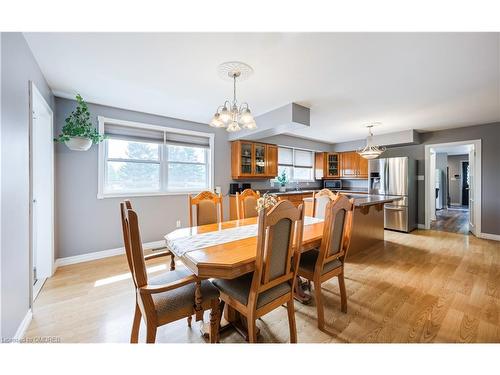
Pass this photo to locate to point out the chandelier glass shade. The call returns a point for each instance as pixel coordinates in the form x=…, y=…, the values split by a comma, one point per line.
x=231, y=115
x=370, y=151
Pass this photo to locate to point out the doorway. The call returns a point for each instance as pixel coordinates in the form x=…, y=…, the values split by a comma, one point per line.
x=453, y=187
x=41, y=191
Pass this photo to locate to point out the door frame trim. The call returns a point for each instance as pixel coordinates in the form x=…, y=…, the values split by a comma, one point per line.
x=477, y=180
x=33, y=91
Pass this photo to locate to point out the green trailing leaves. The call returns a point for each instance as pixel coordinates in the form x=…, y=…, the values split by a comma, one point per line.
x=78, y=124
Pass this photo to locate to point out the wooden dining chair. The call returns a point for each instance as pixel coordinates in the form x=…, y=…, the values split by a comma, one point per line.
x=253, y=295
x=158, y=252
x=320, y=265
x=320, y=200
x=208, y=208
x=164, y=298
x=246, y=204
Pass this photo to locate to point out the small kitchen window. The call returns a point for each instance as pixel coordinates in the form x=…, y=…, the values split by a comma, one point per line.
x=297, y=163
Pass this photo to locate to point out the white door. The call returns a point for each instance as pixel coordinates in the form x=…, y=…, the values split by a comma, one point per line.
x=42, y=176
x=472, y=189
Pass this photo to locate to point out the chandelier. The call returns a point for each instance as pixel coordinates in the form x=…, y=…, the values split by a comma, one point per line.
x=232, y=116
x=370, y=151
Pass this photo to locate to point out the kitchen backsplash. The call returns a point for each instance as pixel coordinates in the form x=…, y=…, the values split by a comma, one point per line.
x=354, y=184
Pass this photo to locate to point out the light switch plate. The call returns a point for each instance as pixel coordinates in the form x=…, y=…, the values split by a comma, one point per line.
x=217, y=190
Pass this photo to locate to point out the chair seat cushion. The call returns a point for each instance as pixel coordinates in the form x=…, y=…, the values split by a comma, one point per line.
x=239, y=289
x=308, y=262
x=182, y=297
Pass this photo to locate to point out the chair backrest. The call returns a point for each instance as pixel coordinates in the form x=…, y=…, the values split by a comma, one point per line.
x=246, y=204
x=208, y=208
x=337, y=230
x=320, y=201
x=279, y=237
x=133, y=244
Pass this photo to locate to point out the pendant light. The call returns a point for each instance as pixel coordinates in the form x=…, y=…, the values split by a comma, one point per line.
x=370, y=151
x=232, y=116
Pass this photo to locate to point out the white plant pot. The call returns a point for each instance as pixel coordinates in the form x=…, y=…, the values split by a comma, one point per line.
x=78, y=143
x=282, y=189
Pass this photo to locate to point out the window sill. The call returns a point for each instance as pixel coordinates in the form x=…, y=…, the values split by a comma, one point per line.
x=132, y=195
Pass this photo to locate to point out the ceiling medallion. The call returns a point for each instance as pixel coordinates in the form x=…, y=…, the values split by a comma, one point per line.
x=230, y=115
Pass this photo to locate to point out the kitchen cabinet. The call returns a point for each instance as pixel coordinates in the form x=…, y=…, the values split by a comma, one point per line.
x=332, y=165
x=253, y=160
x=327, y=165
x=319, y=165
x=353, y=165
x=362, y=167
x=272, y=160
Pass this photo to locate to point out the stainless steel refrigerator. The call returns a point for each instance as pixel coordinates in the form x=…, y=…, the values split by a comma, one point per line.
x=396, y=176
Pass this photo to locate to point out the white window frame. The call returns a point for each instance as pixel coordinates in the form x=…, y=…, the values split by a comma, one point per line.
x=291, y=178
x=102, y=153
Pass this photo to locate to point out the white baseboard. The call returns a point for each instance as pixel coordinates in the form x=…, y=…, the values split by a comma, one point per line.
x=489, y=236
x=102, y=254
x=21, y=330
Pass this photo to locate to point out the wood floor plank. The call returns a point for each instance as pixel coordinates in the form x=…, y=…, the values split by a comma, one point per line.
x=426, y=286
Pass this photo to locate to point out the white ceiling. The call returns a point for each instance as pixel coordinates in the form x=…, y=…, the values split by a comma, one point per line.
x=422, y=81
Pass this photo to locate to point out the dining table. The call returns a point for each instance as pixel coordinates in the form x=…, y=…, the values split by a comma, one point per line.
x=227, y=250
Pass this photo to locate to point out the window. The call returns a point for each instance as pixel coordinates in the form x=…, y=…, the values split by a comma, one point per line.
x=297, y=164
x=140, y=159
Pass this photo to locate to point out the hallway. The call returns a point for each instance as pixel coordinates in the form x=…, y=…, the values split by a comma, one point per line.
x=453, y=219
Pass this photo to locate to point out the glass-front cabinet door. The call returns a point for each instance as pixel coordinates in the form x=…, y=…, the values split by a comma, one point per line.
x=333, y=165
x=246, y=158
x=260, y=160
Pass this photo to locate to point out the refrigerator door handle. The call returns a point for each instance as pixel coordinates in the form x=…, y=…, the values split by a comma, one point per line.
x=401, y=208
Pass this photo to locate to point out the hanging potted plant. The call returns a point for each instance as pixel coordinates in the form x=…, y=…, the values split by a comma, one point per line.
x=78, y=132
x=282, y=180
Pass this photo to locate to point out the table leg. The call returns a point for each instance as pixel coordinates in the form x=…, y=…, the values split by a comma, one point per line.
x=198, y=300
x=231, y=319
x=300, y=292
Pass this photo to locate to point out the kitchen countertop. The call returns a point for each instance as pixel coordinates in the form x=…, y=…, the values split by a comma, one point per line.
x=307, y=191
x=362, y=200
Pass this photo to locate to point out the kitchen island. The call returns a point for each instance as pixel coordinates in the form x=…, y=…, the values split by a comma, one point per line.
x=368, y=220
x=297, y=197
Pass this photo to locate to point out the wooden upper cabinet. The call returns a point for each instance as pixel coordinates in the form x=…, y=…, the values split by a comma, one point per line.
x=272, y=160
x=327, y=165
x=349, y=164
x=253, y=160
x=353, y=165
x=332, y=165
x=362, y=167
x=260, y=160
x=319, y=165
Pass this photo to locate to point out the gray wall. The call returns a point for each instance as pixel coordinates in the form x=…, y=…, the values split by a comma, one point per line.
x=18, y=68
x=455, y=168
x=490, y=157
x=86, y=224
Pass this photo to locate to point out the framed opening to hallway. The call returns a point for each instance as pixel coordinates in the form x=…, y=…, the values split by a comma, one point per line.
x=474, y=151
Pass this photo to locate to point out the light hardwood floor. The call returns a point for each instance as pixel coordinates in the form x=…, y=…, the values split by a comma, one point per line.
x=426, y=286
x=452, y=219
